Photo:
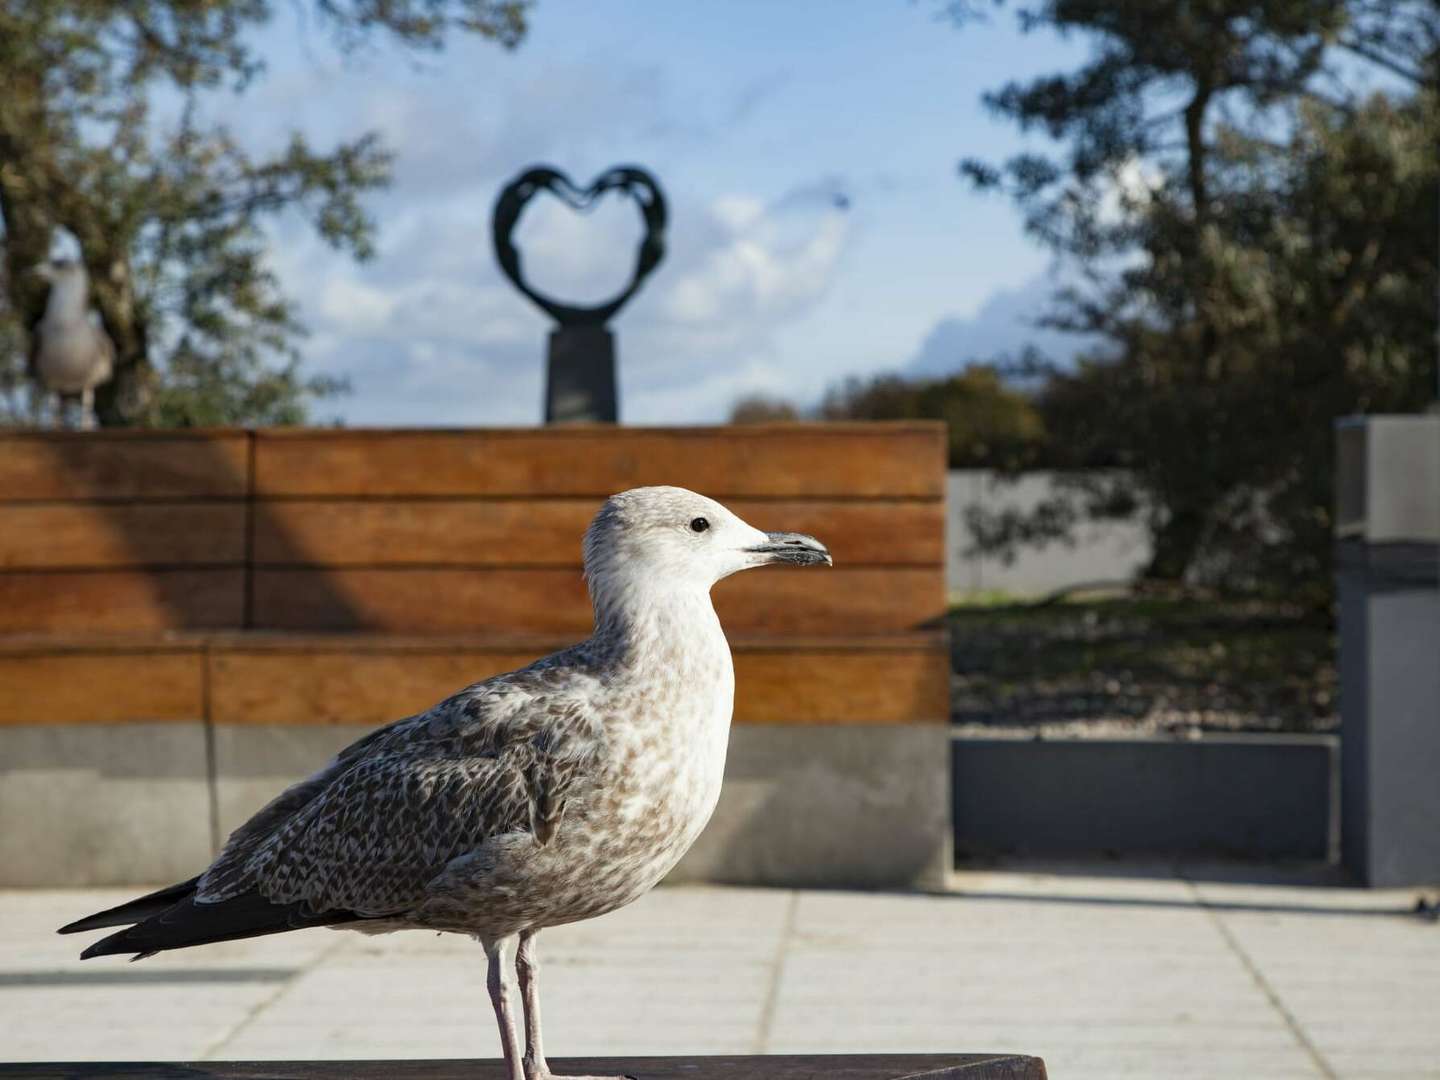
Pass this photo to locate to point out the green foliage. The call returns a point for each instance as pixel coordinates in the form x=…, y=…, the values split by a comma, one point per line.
x=1276, y=239
x=762, y=409
x=197, y=392
x=990, y=424
x=168, y=215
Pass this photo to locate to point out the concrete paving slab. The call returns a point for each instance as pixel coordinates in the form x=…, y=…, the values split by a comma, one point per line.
x=1088, y=973
x=1356, y=972
x=1106, y=976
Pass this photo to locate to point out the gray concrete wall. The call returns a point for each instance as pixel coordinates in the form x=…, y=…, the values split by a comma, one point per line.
x=1102, y=552
x=1388, y=577
x=853, y=806
x=103, y=804
x=133, y=804
x=1390, y=710
x=1251, y=796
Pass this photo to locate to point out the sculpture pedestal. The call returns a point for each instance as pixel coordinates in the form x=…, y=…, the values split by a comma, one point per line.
x=580, y=376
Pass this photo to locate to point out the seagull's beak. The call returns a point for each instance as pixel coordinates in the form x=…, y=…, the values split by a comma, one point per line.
x=795, y=549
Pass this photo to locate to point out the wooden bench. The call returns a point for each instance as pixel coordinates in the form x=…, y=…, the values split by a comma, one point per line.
x=190, y=620
x=774, y=1067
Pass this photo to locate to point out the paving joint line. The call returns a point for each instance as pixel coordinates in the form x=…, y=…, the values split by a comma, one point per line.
x=253, y=1013
x=1297, y=1032
x=777, y=969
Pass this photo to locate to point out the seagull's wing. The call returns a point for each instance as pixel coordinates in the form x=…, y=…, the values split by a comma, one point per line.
x=498, y=758
x=228, y=874
x=366, y=835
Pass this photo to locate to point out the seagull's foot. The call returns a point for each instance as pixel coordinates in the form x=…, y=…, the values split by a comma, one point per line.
x=544, y=1073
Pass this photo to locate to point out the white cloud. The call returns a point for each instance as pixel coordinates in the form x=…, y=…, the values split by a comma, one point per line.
x=1003, y=326
x=737, y=211
x=360, y=306
x=1128, y=187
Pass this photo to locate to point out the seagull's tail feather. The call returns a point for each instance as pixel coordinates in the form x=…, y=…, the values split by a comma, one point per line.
x=133, y=911
x=188, y=923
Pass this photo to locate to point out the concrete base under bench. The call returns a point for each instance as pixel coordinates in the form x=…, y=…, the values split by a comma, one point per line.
x=103, y=804
x=1245, y=796
x=136, y=803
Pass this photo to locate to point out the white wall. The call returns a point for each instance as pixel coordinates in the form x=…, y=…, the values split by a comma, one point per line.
x=1103, y=551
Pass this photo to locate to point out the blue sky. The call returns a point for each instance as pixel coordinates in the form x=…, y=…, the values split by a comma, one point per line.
x=753, y=115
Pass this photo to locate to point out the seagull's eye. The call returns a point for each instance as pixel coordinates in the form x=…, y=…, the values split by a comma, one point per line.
x=699, y=525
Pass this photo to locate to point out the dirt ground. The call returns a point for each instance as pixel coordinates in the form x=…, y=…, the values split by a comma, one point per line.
x=1131, y=666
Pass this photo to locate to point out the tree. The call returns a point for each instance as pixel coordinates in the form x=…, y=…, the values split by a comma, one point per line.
x=990, y=424
x=762, y=409
x=1259, y=248
x=166, y=216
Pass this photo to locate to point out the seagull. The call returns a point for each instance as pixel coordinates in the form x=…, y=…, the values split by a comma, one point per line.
x=548, y=795
x=69, y=354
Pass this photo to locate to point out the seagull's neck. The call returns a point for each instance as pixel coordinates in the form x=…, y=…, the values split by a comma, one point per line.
x=644, y=623
x=67, y=299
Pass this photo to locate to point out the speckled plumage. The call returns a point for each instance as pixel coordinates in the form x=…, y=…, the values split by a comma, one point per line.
x=530, y=799
x=547, y=795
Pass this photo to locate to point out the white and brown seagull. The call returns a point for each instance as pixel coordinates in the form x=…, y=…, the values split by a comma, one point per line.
x=70, y=353
x=551, y=794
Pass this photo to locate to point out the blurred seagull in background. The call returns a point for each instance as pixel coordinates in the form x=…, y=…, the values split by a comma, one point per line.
x=70, y=354
x=552, y=794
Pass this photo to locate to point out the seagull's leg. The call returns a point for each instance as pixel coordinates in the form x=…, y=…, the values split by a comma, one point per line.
x=87, y=409
x=527, y=967
x=497, y=952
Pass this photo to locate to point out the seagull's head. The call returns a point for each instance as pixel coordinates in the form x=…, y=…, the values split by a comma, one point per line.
x=57, y=270
x=671, y=535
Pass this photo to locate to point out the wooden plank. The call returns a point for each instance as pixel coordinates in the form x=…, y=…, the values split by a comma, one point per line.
x=787, y=460
x=547, y=532
x=767, y=1067
x=553, y=601
x=828, y=686
x=120, y=601
x=106, y=686
x=342, y=687
x=124, y=465
x=334, y=683
x=88, y=535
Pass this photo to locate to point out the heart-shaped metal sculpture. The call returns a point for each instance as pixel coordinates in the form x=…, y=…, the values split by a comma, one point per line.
x=628, y=179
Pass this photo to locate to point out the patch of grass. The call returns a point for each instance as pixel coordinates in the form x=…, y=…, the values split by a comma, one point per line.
x=1144, y=664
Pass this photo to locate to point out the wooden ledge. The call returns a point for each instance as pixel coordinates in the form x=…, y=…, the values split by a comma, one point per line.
x=320, y=679
x=180, y=641
x=773, y=1067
